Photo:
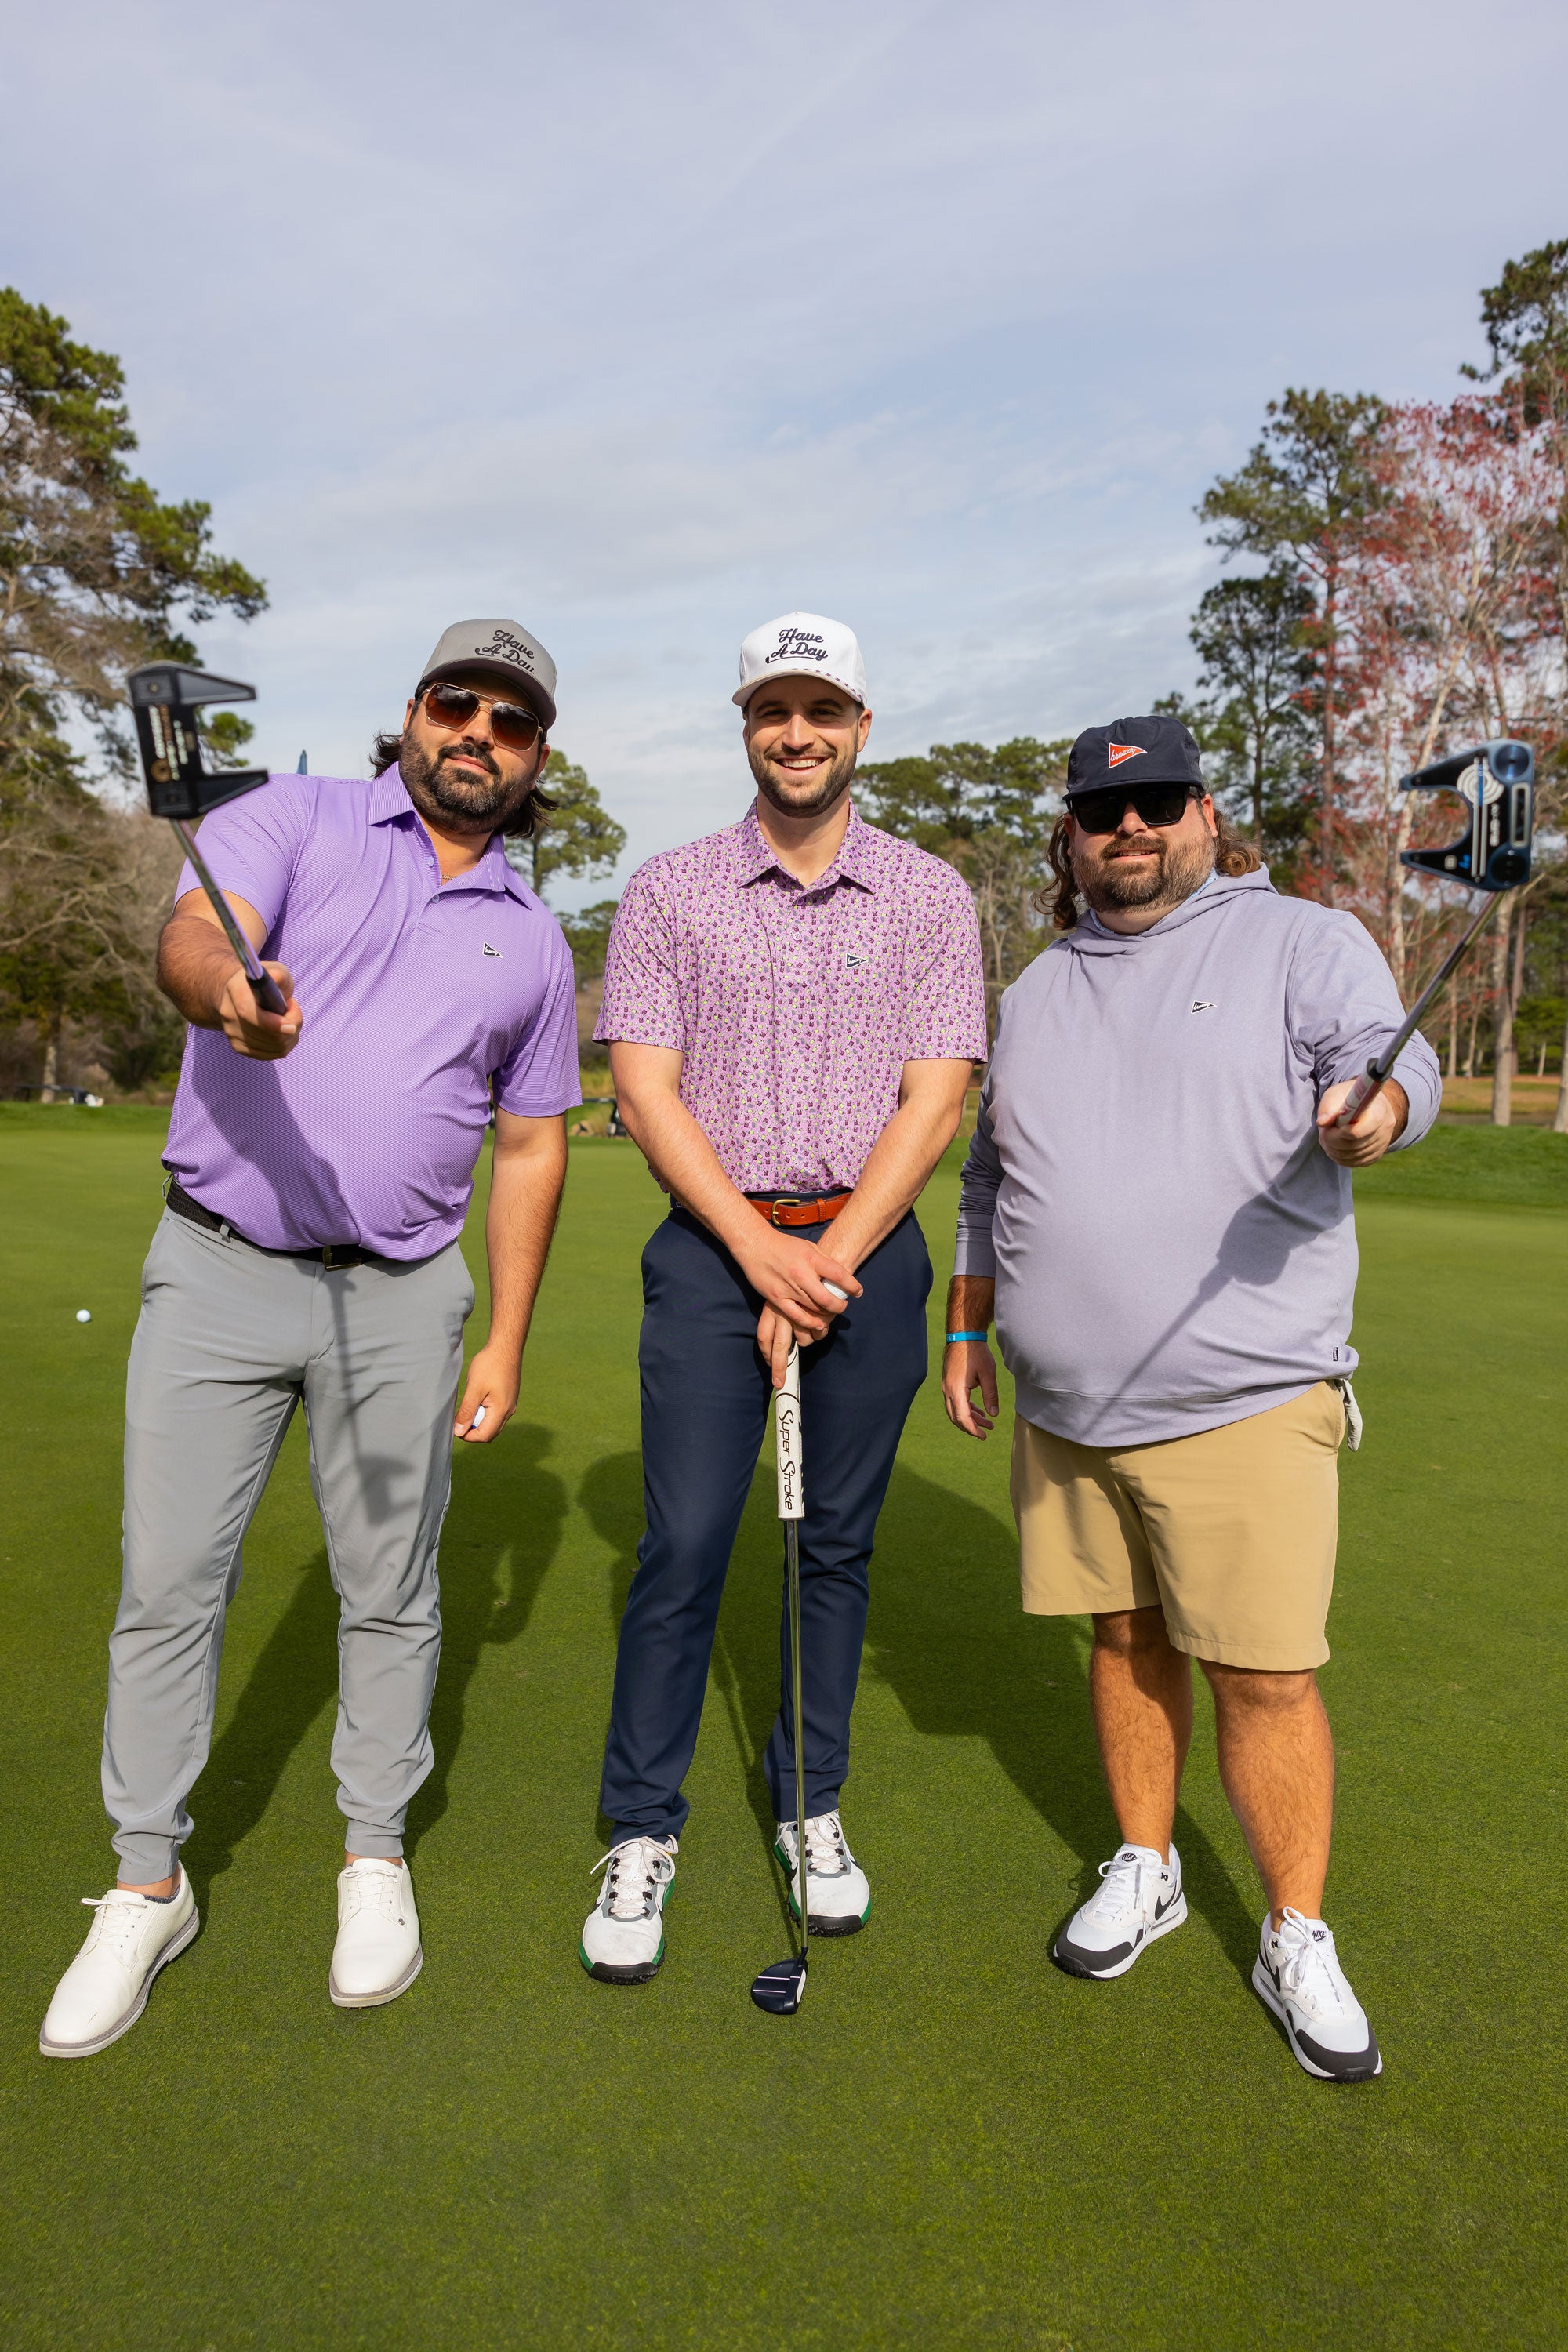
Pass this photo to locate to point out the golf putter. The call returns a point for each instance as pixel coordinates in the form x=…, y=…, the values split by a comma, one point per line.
x=1492, y=855
x=164, y=700
x=780, y=1989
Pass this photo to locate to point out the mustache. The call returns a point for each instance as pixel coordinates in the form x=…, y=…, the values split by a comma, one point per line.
x=479, y=751
x=1142, y=845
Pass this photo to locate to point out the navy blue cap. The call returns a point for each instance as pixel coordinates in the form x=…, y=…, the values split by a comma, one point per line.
x=1133, y=752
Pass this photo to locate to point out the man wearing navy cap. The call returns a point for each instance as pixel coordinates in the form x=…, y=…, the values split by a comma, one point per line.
x=321, y=1161
x=1157, y=1202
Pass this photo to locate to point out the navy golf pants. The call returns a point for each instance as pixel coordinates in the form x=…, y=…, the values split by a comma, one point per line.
x=706, y=1400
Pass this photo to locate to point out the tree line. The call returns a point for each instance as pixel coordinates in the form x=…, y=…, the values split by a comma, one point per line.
x=98, y=574
x=1394, y=584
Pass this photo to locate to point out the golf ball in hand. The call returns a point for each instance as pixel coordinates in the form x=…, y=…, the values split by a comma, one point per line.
x=83, y=1315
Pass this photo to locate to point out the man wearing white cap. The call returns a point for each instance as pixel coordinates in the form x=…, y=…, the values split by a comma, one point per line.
x=793, y=1006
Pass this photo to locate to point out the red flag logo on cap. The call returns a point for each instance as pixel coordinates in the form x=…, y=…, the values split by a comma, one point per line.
x=1117, y=752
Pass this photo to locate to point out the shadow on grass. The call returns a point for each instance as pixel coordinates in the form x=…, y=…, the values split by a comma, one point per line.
x=500, y=1536
x=745, y=1664
x=949, y=1638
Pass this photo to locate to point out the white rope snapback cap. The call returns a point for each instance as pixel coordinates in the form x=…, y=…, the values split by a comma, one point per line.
x=801, y=645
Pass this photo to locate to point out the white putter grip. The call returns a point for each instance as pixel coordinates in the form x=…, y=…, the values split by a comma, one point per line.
x=786, y=1434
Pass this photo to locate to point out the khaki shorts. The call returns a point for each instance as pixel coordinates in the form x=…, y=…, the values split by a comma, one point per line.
x=1232, y=1531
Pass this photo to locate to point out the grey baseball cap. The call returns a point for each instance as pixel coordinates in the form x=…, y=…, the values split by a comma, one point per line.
x=506, y=650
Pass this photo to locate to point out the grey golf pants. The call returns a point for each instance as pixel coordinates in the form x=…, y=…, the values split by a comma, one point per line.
x=229, y=1341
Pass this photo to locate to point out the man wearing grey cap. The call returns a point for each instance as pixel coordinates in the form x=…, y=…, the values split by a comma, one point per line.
x=793, y=1005
x=321, y=1163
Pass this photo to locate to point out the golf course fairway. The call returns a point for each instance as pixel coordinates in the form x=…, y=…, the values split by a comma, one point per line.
x=952, y=2144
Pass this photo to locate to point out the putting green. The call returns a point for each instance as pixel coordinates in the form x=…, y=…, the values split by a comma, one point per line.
x=952, y=2144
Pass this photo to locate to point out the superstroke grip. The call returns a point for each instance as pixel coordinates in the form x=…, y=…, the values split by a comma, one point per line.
x=786, y=1436
x=1371, y=1082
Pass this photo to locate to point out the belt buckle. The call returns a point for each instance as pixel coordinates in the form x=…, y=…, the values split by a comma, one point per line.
x=335, y=1255
x=785, y=1201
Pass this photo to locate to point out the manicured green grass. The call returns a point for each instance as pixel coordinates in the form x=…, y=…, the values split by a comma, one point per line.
x=1517, y=1167
x=952, y=2144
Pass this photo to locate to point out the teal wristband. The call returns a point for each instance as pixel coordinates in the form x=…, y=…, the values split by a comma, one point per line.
x=964, y=1335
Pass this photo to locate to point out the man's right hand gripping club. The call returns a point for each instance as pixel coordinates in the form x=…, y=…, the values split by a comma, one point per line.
x=197, y=969
x=793, y=1276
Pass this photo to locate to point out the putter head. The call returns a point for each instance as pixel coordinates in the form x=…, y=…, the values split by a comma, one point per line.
x=164, y=700
x=1498, y=781
x=781, y=1988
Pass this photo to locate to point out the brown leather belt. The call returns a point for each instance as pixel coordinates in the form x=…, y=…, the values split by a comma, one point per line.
x=790, y=1209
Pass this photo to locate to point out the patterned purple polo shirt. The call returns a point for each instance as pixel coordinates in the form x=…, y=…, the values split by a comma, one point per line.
x=795, y=1008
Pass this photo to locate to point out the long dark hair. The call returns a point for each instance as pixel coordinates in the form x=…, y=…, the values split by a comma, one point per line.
x=386, y=751
x=1232, y=855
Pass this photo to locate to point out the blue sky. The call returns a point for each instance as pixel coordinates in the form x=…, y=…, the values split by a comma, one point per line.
x=640, y=324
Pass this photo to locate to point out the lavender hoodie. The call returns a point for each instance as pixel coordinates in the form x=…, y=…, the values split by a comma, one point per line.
x=1172, y=1248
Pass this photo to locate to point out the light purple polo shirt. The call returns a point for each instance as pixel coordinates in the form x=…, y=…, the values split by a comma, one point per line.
x=415, y=999
x=795, y=1008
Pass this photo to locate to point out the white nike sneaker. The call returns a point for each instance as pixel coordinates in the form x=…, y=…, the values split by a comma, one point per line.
x=378, y=1953
x=104, y=1990
x=1140, y=1899
x=838, y=1895
x=1298, y=1976
x=623, y=1936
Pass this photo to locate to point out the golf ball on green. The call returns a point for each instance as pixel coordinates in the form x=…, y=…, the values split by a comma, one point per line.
x=83, y=1315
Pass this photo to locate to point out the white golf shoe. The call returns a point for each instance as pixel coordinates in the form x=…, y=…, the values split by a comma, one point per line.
x=623, y=1936
x=104, y=1990
x=1139, y=1900
x=839, y=1897
x=1298, y=1976
x=378, y=1953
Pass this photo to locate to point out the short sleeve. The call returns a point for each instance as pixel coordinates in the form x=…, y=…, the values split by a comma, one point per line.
x=539, y=1077
x=946, y=1016
x=1343, y=1008
x=250, y=846
x=642, y=996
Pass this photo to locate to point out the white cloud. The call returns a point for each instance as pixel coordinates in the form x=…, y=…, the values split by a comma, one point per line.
x=643, y=324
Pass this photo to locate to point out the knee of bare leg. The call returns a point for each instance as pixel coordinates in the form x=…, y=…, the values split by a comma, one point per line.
x=1128, y=1631
x=1259, y=1692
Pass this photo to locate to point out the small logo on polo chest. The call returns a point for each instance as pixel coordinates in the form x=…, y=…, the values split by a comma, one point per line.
x=1201, y=1004
x=492, y=952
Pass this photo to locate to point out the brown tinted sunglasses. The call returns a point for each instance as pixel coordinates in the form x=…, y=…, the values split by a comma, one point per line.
x=514, y=728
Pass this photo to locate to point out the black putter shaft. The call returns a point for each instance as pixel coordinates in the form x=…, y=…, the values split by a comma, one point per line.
x=792, y=1578
x=1380, y=1069
x=1497, y=779
x=264, y=988
x=779, y=1988
x=167, y=700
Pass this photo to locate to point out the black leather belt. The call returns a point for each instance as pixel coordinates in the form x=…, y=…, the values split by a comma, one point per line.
x=331, y=1254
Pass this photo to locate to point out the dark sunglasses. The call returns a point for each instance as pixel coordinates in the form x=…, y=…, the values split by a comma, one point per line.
x=1101, y=811
x=453, y=706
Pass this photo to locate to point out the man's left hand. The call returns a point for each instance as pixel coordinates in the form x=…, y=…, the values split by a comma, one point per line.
x=1378, y=1124
x=494, y=1377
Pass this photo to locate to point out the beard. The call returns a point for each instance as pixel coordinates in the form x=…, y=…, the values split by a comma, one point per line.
x=828, y=786
x=469, y=802
x=1176, y=870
